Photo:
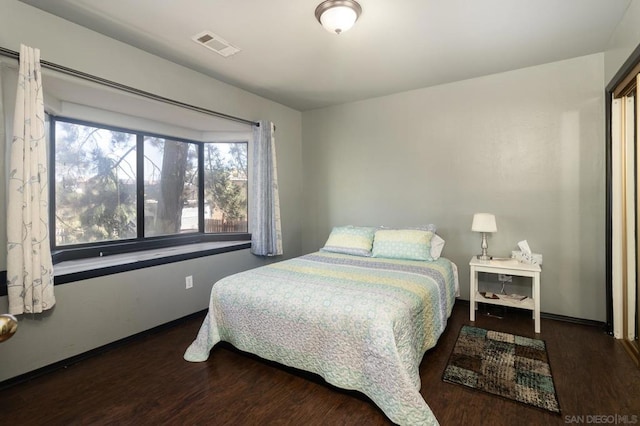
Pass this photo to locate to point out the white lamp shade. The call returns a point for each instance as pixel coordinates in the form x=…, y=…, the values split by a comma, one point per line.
x=338, y=19
x=484, y=222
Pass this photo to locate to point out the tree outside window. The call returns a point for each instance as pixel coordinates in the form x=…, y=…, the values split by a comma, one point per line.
x=225, y=175
x=95, y=184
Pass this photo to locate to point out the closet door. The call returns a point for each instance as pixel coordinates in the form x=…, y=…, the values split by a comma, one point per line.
x=632, y=297
x=631, y=158
x=625, y=127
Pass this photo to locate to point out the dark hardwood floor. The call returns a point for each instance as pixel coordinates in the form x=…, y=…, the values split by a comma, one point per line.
x=146, y=381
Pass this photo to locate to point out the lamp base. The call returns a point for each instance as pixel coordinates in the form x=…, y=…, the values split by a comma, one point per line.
x=484, y=246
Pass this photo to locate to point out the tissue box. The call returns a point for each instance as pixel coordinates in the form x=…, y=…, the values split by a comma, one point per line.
x=534, y=258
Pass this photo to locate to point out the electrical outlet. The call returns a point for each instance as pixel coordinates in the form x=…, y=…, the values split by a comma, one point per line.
x=188, y=282
x=505, y=278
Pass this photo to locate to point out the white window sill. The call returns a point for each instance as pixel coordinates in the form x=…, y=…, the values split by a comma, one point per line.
x=75, y=270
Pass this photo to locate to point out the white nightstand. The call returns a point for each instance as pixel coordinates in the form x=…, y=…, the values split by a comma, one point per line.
x=507, y=267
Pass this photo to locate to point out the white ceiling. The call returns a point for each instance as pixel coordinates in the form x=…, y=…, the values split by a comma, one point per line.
x=396, y=45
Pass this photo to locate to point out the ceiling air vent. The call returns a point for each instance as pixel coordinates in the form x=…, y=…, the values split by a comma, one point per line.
x=216, y=43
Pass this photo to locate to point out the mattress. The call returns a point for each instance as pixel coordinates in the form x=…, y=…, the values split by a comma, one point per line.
x=361, y=323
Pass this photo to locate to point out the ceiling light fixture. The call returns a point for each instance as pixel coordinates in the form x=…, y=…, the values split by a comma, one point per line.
x=337, y=16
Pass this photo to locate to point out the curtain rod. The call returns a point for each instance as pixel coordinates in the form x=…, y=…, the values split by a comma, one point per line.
x=75, y=73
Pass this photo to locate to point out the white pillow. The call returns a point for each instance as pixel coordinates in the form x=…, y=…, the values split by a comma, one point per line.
x=437, y=244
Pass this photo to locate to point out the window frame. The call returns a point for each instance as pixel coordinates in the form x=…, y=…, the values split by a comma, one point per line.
x=140, y=242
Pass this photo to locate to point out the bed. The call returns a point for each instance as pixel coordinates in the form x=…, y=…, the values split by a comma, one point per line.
x=362, y=323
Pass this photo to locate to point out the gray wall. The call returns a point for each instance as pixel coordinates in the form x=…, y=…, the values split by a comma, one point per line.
x=95, y=312
x=526, y=145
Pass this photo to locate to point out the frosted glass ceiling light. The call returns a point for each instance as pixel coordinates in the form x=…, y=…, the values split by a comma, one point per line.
x=337, y=16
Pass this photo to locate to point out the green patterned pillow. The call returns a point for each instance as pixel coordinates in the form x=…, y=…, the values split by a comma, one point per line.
x=355, y=240
x=412, y=244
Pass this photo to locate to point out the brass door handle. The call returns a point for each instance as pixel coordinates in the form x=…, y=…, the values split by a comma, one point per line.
x=8, y=326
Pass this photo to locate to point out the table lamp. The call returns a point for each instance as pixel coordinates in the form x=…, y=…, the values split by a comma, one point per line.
x=484, y=222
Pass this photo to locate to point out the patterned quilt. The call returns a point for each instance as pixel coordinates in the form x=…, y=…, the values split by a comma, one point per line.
x=361, y=323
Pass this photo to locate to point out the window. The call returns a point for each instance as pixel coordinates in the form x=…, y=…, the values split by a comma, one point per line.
x=117, y=190
x=170, y=187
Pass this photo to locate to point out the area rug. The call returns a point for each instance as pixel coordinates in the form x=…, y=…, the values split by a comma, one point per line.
x=514, y=367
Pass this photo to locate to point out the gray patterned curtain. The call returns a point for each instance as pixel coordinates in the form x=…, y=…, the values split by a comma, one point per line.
x=29, y=265
x=266, y=232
